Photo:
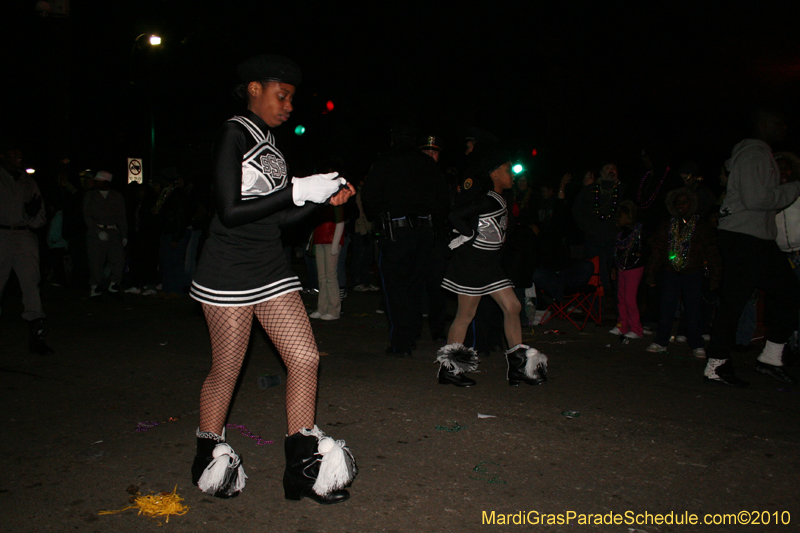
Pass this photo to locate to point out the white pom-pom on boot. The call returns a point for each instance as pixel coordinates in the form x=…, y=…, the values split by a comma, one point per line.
x=454, y=361
x=317, y=467
x=337, y=468
x=224, y=474
x=526, y=365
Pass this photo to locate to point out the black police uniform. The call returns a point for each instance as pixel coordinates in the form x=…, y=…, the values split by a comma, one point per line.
x=406, y=195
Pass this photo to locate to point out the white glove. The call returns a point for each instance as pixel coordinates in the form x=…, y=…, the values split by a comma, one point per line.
x=458, y=241
x=103, y=236
x=124, y=242
x=316, y=188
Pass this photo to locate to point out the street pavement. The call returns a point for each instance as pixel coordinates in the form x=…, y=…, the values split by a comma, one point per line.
x=615, y=434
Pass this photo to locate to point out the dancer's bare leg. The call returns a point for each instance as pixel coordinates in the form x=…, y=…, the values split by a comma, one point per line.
x=511, y=307
x=467, y=305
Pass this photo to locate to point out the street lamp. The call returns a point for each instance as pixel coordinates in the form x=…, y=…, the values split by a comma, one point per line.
x=154, y=41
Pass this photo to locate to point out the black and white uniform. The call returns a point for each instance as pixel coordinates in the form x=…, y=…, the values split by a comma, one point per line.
x=475, y=269
x=242, y=262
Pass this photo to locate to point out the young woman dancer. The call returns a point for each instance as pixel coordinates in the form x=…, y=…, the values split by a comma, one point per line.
x=475, y=270
x=243, y=273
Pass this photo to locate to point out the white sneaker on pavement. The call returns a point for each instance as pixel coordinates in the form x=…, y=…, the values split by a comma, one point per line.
x=656, y=348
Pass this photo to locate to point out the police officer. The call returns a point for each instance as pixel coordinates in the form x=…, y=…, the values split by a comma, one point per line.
x=21, y=210
x=406, y=196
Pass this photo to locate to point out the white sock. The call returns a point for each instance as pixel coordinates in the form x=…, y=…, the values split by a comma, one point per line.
x=771, y=355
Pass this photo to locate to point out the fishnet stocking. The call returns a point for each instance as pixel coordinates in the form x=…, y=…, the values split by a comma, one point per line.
x=285, y=321
x=229, y=328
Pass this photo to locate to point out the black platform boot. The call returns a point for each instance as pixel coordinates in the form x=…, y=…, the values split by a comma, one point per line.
x=223, y=479
x=304, y=460
x=447, y=377
x=36, y=342
x=455, y=360
x=526, y=365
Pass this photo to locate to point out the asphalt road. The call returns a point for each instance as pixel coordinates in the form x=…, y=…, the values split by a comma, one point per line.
x=646, y=437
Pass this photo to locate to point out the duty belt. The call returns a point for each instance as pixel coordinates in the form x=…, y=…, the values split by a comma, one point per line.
x=413, y=221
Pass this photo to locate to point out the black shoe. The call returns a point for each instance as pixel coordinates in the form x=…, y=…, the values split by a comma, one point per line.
x=302, y=469
x=400, y=354
x=205, y=451
x=459, y=380
x=775, y=372
x=720, y=371
x=519, y=371
x=36, y=342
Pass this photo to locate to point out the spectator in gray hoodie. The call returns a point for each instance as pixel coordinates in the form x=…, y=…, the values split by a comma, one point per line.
x=750, y=256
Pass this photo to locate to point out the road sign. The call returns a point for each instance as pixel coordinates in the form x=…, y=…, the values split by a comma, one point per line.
x=135, y=169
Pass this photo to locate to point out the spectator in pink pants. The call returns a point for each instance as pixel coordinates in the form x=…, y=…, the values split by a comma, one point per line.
x=630, y=267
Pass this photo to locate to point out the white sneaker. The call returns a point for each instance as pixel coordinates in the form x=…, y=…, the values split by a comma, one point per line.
x=539, y=316
x=133, y=290
x=680, y=338
x=632, y=335
x=615, y=331
x=328, y=316
x=315, y=314
x=374, y=288
x=700, y=353
x=656, y=348
x=149, y=292
x=648, y=331
x=361, y=288
x=706, y=337
x=380, y=311
x=113, y=288
x=94, y=292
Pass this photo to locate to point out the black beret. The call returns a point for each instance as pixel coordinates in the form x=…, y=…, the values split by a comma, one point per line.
x=269, y=67
x=492, y=158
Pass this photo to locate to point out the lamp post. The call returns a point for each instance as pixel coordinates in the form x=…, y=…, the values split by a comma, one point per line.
x=152, y=41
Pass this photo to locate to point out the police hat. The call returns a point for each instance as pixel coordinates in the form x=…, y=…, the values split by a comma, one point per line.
x=269, y=67
x=430, y=142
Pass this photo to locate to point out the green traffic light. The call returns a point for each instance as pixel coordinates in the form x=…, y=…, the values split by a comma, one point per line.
x=300, y=129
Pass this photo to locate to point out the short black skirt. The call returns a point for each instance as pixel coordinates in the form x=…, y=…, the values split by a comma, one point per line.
x=474, y=272
x=236, y=270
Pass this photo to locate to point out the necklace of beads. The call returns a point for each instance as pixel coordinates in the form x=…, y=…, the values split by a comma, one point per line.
x=624, y=246
x=649, y=202
x=613, y=200
x=680, y=240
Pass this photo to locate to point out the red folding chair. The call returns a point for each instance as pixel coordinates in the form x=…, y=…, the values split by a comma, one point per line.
x=588, y=299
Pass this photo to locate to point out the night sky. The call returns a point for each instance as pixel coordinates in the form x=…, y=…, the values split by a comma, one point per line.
x=577, y=83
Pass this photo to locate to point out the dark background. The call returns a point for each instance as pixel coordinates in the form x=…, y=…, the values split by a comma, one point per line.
x=577, y=83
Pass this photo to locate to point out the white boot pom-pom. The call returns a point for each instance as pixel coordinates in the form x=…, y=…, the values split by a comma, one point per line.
x=221, y=471
x=536, y=364
x=457, y=358
x=337, y=467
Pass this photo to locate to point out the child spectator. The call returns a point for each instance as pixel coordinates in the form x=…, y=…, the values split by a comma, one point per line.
x=630, y=268
x=684, y=248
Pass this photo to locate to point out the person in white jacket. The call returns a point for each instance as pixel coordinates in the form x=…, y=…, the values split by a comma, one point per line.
x=750, y=255
x=788, y=220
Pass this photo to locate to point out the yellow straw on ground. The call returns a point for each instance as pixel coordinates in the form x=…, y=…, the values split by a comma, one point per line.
x=156, y=505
